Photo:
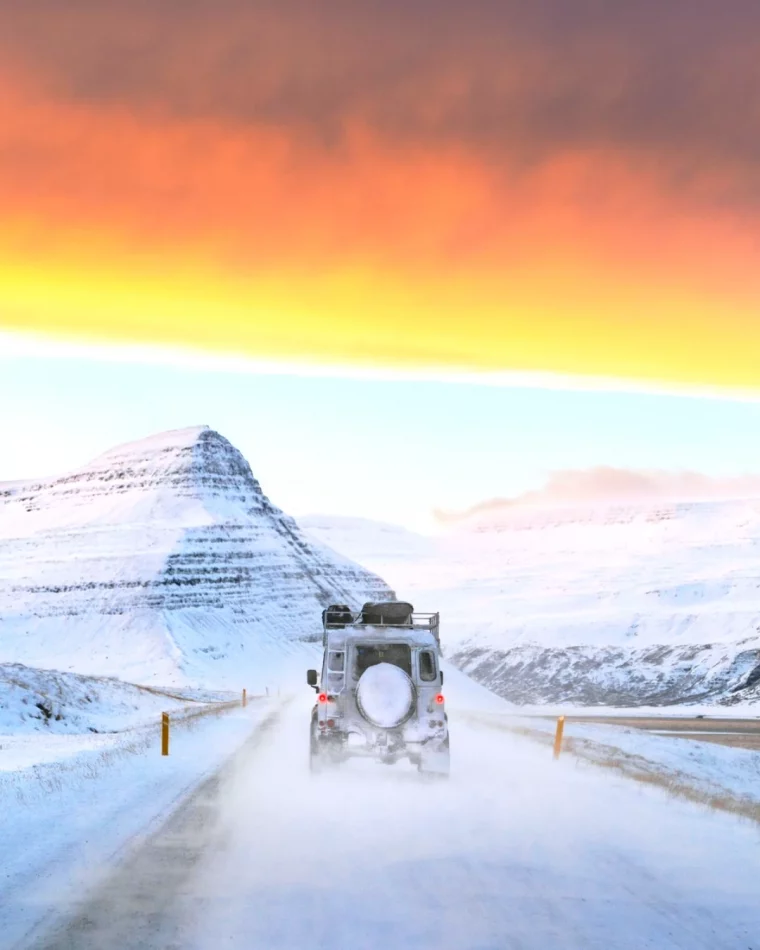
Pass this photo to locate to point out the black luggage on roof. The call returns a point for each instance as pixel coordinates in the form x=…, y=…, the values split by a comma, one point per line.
x=337, y=615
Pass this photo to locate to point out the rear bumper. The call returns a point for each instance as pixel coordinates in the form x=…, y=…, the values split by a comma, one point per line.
x=382, y=746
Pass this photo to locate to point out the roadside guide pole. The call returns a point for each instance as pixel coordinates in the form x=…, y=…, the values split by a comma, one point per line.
x=245, y=696
x=558, y=736
x=164, y=733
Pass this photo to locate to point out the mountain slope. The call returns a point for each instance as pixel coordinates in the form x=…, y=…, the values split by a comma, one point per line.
x=163, y=561
x=364, y=540
x=617, y=604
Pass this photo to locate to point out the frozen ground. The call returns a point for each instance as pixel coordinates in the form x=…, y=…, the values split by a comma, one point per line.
x=516, y=851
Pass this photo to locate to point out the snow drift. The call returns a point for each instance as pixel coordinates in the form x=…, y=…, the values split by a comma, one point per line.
x=44, y=701
x=163, y=561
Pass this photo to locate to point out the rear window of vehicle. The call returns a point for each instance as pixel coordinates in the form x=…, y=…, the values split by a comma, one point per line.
x=398, y=654
x=427, y=666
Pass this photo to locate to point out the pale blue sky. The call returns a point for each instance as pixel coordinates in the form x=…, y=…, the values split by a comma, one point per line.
x=455, y=444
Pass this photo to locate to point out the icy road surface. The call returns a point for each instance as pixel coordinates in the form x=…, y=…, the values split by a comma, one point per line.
x=515, y=851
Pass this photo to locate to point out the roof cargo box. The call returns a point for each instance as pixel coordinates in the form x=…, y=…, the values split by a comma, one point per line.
x=390, y=613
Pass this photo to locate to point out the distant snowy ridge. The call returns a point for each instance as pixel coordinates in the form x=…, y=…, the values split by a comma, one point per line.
x=611, y=676
x=163, y=561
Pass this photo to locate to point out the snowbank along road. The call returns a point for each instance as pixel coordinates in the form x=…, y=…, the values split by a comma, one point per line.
x=514, y=852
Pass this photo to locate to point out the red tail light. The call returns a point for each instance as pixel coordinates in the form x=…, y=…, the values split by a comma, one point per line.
x=330, y=723
x=323, y=697
x=439, y=699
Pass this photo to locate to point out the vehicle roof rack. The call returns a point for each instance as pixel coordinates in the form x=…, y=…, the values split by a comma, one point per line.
x=392, y=613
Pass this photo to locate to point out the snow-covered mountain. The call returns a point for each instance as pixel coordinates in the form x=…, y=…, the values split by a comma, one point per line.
x=622, y=604
x=163, y=561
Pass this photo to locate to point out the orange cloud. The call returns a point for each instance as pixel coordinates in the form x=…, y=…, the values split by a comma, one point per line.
x=259, y=196
x=341, y=190
x=605, y=485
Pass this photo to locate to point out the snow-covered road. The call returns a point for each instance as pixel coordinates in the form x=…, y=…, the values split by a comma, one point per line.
x=515, y=851
x=64, y=823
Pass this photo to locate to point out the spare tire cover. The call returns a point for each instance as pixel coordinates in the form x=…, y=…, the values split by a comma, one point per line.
x=385, y=695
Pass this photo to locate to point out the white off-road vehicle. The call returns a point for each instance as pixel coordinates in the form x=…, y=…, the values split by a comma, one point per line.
x=380, y=688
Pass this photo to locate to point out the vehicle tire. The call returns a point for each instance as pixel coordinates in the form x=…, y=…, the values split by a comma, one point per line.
x=316, y=758
x=436, y=764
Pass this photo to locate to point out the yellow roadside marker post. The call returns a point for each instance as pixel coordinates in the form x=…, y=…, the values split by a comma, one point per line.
x=164, y=733
x=245, y=698
x=558, y=736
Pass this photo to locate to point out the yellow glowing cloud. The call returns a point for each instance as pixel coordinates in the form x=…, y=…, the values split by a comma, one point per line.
x=556, y=321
